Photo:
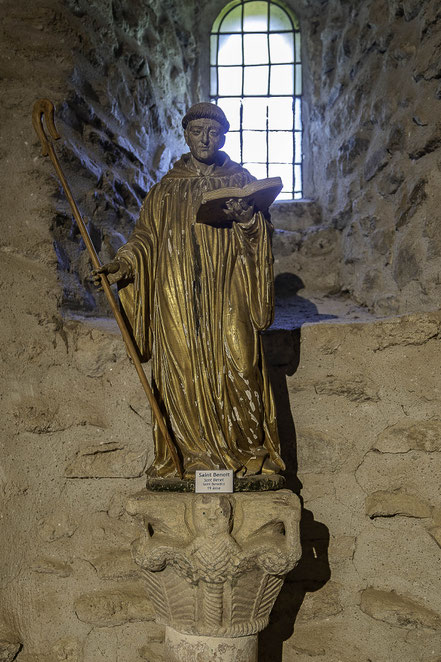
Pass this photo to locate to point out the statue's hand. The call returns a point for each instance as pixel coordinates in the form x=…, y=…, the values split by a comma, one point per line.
x=239, y=210
x=115, y=271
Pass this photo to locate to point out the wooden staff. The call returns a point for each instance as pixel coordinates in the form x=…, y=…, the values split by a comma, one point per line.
x=46, y=107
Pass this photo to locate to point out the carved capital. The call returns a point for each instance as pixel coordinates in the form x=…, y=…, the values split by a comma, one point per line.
x=214, y=564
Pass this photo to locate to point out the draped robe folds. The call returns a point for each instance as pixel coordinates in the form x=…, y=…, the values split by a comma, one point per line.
x=199, y=298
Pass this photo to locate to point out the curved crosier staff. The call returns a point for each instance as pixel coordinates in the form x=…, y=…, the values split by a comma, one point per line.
x=45, y=107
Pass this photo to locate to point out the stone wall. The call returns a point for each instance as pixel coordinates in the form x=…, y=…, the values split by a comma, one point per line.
x=75, y=427
x=365, y=400
x=371, y=153
x=121, y=75
x=133, y=75
x=374, y=106
x=371, y=102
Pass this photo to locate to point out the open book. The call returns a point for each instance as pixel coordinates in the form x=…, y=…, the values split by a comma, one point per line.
x=261, y=193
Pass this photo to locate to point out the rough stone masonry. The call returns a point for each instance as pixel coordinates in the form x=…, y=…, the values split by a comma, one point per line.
x=358, y=401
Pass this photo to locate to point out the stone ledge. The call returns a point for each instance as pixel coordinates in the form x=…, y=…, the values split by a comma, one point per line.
x=292, y=311
x=295, y=214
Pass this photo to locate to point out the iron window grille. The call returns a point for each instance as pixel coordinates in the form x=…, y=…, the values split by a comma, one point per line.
x=256, y=78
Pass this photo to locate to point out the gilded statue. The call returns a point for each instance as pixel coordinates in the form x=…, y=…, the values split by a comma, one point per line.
x=197, y=297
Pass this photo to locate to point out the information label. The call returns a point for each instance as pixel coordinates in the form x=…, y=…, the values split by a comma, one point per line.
x=208, y=482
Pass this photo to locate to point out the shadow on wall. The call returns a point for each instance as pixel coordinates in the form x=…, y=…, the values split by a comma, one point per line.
x=293, y=310
x=282, y=353
x=310, y=575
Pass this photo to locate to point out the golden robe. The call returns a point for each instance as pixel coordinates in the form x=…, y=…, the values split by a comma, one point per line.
x=198, y=301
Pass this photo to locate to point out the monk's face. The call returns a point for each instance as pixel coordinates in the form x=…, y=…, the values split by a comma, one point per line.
x=205, y=138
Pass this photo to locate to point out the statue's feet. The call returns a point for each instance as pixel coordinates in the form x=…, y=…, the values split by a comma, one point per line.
x=270, y=467
x=256, y=464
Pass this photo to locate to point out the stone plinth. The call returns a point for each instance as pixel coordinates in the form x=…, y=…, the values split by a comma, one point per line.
x=214, y=566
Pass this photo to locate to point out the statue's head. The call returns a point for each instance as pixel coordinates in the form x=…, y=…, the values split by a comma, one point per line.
x=205, y=126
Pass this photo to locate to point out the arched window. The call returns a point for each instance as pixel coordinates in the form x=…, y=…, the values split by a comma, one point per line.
x=256, y=77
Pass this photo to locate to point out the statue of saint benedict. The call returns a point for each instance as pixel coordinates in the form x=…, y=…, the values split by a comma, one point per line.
x=196, y=296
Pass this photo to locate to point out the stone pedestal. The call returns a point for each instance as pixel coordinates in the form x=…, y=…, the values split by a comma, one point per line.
x=214, y=566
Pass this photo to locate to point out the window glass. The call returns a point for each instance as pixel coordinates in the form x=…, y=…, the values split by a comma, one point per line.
x=213, y=48
x=255, y=48
x=297, y=115
x=232, y=22
x=256, y=78
x=254, y=112
x=285, y=172
x=298, y=73
x=213, y=81
x=281, y=47
x=230, y=80
x=298, y=147
x=258, y=170
x=280, y=115
x=297, y=178
x=254, y=146
x=282, y=79
x=280, y=146
x=231, y=108
x=279, y=19
x=255, y=17
x=298, y=46
x=229, y=49
x=232, y=145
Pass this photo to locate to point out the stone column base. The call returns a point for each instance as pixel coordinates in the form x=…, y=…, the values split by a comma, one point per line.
x=188, y=648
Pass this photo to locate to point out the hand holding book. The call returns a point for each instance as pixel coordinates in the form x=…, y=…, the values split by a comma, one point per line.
x=238, y=204
x=240, y=210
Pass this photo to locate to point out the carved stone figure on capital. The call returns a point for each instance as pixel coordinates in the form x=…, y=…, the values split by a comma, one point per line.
x=214, y=564
x=196, y=296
